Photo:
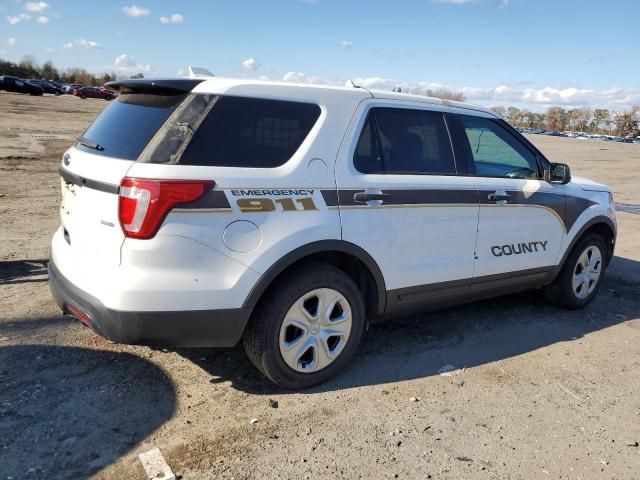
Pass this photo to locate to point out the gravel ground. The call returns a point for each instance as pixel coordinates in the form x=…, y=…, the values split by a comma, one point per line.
x=533, y=391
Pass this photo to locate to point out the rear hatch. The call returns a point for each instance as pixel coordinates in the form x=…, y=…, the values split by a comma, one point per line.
x=94, y=167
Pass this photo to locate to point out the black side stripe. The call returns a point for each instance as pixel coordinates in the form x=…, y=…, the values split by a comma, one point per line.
x=567, y=208
x=404, y=197
x=87, y=182
x=213, y=199
x=330, y=197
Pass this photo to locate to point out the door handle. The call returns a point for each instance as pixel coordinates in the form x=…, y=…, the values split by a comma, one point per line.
x=499, y=197
x=364, y=197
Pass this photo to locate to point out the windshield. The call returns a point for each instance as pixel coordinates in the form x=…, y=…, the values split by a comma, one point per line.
x=125, y=127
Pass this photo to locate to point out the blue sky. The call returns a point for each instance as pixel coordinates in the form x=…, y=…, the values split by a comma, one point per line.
x=530, y=53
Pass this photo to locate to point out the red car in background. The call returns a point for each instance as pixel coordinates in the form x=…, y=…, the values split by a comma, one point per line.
x=94, y=92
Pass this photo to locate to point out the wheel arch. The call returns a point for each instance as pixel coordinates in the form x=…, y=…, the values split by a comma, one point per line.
x=602, y=225
x=346, y=256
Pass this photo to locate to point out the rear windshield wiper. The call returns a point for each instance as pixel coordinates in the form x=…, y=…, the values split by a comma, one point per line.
x=89, y=144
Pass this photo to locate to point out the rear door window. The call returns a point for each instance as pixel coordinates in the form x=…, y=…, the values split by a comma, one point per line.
x=404, y=141
x=125, y=127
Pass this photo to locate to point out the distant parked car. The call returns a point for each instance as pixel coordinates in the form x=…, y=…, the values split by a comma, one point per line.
x=94, y=92
x=54, y=83
x=69, y=87
x=18, y=85
x=47, y=87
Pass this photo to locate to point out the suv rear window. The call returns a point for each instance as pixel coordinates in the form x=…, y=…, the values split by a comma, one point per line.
x=226, y=131
x=125, y=127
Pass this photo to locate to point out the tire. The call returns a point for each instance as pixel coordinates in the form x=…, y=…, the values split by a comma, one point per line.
x=83, y=97
x=270, y=332
x=562, y=291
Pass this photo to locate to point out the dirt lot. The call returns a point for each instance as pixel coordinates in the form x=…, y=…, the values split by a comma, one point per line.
x=541, y=392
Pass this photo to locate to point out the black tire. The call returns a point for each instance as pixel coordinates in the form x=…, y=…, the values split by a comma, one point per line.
x=261, y=338
x=83, y=97
x=561, y=292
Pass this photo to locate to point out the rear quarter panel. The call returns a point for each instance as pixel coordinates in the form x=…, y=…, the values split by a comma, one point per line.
x=264, y=236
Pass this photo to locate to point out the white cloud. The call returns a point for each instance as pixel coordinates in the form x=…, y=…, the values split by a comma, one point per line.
x=134, y=11
x=175, y=18
x=21, y=17
x=12, y=41
x=537, y=99
x=43, y=19
x=82, y=43
x=345, y=44
x=294, y=77
x=88, y=43
x=126, y=64
x=36, y=7
x=124, y=60
x=250, y=65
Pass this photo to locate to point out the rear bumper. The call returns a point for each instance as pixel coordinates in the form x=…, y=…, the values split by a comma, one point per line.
x=192, y=328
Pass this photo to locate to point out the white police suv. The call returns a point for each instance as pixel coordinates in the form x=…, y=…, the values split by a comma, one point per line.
x=202, y=211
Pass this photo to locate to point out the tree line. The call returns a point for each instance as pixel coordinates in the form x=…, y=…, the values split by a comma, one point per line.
x=597, y=120
x=29, y=68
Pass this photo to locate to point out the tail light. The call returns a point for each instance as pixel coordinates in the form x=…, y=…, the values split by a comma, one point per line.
x=145, y=203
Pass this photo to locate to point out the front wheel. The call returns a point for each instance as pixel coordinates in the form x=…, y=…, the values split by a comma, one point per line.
x=581, y=275
x=307, y=328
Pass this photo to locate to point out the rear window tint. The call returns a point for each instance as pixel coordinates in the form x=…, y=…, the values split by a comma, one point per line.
x=249, y=132
x=125, y=127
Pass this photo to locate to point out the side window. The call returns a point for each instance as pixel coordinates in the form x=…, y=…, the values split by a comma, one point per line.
x=367, y=158
x=495, y=151
x=396, y=140
x=19, y=83
x=250, y=132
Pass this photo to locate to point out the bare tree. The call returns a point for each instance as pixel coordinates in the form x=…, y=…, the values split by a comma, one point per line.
x=556, y=118
x=513, y=115
x=500, y=111
x=627, y=123
x=446, y=94
x=583, y=118
x=601, y=120
x=539, y=120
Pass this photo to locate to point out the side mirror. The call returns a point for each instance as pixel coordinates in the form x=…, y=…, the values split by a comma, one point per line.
x=558, y=173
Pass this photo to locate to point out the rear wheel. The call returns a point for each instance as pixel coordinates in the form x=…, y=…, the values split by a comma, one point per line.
x=308, y=328
x=83, y=97
x=581, y=275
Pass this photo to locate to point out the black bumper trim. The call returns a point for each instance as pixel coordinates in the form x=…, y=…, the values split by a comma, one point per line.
x=192, y=328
